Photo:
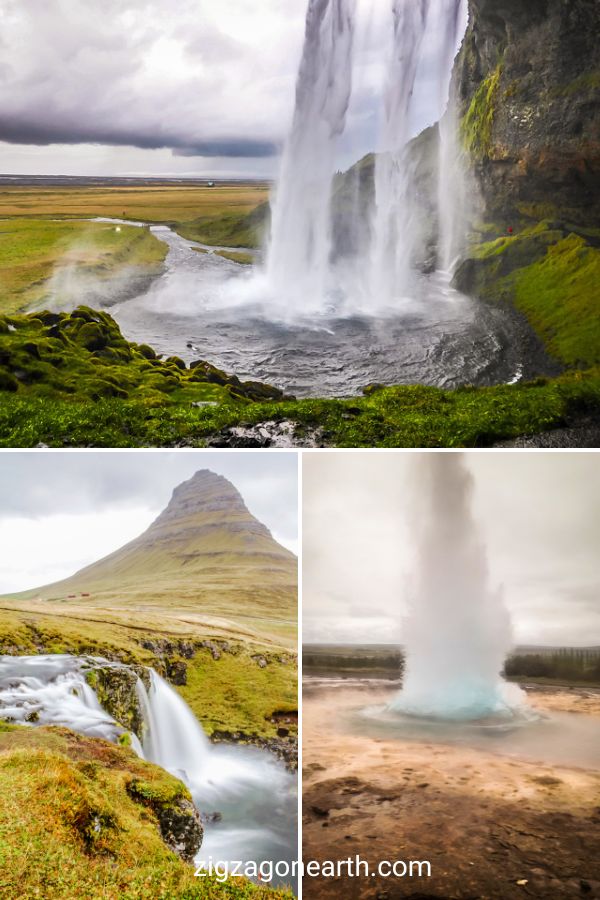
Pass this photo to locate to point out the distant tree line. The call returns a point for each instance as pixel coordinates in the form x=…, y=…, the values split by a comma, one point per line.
x=567, y=665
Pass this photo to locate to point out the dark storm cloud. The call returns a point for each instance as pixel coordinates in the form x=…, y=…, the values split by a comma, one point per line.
x=38, y=485
x=19, y=131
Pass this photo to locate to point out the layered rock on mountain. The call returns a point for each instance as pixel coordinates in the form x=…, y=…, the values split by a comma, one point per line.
x=205, y=551
x=527, y=80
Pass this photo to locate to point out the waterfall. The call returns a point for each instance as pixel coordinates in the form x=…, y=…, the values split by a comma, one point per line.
x=298, y=255
x=457, y=634
x=392, y=234
x=173, y=738
x=451, y=177
x=379, y=270
x=253, y=794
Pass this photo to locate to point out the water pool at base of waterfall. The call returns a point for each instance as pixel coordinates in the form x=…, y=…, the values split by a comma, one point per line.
x=204, y=306
x=247, y=798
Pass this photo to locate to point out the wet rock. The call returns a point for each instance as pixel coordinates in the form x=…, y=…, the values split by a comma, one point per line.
x=181, y=829
x=177, y=672
x=115, y=687
x=527, y=86
x=284, y=433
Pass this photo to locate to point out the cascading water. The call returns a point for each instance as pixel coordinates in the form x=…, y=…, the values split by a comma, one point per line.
x=452, y=214
x=392, y=233
x=458, y=632
x=298, y=256
x=254, y=795
x=382, y=272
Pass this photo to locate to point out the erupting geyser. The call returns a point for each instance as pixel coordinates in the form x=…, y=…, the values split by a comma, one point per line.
x=458, y=633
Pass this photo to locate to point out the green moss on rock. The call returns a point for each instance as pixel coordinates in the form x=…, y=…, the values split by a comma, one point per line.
x=477, y=123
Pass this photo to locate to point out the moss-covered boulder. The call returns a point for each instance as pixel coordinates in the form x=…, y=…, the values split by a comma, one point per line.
x=83, y=354
x=117, y=691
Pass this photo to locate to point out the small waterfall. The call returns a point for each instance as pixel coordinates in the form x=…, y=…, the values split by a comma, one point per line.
x=253, y=794
x=174, y=738
x=458, y=631
x=298, y=255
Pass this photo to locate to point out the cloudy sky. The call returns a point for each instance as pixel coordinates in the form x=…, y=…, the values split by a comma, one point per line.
x=154, y=87
x=61, y=511
x=539, y=515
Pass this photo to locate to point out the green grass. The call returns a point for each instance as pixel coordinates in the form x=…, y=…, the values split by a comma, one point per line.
x=33, y=250
x=551, y=274
x=246, y=229
x=404, y=416
x=79, y=818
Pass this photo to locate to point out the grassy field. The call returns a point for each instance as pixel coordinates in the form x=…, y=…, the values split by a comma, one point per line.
x=163, y=203
x=42, y=233
x=403, y=416
x=80, y=817
x=40, y=256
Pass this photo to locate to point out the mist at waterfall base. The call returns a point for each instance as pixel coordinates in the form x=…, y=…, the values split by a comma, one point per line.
x=254, y=794
x=457, y=634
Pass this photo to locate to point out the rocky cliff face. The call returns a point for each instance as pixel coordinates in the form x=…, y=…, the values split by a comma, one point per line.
x=528, y=82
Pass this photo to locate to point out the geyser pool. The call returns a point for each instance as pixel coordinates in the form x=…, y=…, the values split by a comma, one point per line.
x=457, y=633
x=254, y=795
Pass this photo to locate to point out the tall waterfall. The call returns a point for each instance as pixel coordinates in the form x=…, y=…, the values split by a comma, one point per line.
x=392, y=237
x=298, y=256
x=457, y=634
x=300, y=271
x=451, y=175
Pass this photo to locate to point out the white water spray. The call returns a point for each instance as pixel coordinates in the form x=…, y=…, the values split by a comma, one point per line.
x=458, y=632
x=298, y=257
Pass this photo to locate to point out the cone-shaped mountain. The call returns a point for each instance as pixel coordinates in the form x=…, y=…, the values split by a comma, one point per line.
x=204, y=552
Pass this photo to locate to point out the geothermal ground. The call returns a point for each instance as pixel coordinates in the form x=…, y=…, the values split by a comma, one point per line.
x=491, y=825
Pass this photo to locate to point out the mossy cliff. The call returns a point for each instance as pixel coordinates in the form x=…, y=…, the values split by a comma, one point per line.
x=82, y=818
x=550, y=272
x=527, y=80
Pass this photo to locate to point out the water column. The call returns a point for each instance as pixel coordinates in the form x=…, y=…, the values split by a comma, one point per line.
x=458, y=632
x=298, y=255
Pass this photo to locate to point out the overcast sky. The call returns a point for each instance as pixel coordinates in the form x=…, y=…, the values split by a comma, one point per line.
x=539, y=515
x=61, y=511
x=156, y=87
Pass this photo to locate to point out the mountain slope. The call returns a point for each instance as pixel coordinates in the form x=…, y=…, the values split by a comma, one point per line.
x=205, y=553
